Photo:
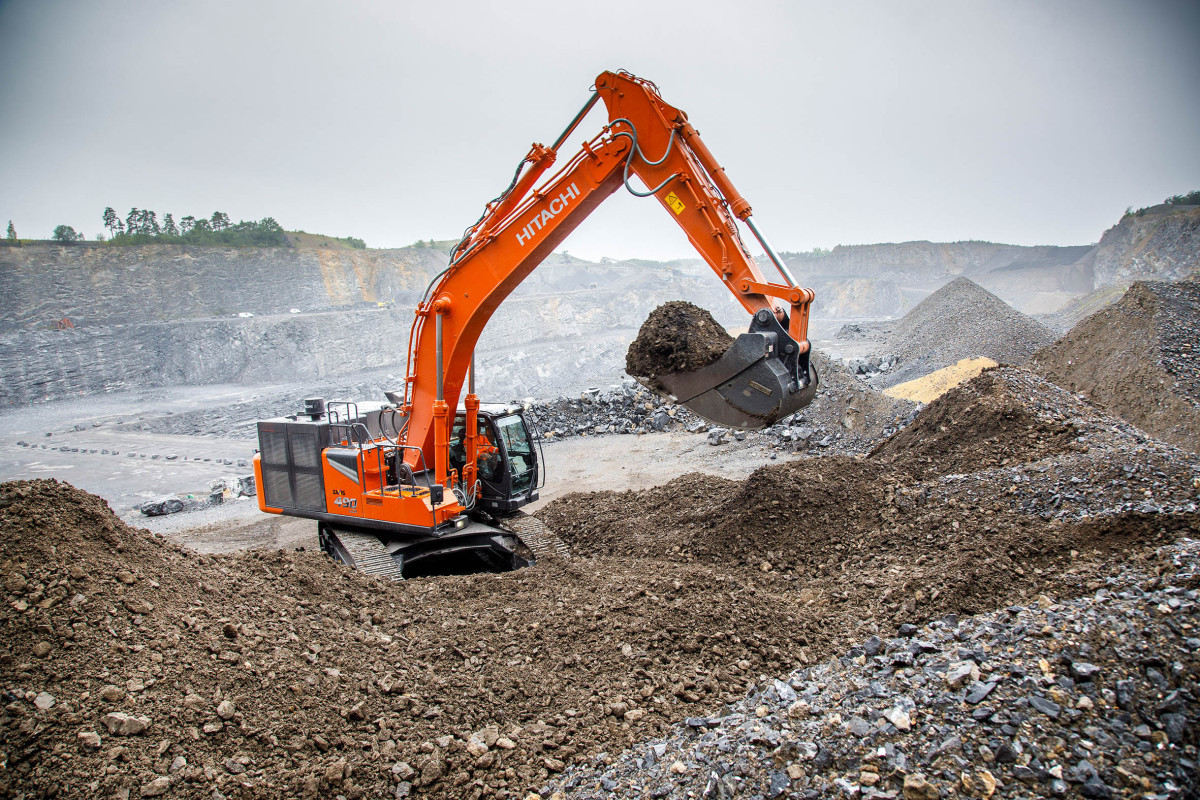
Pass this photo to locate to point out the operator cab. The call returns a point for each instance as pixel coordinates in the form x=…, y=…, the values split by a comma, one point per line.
x=508, y=469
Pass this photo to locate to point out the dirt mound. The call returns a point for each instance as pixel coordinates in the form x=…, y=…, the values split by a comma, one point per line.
x=676, y=337
x=960, y=320
x=1139, y=359
x=1005, y=474
x=272, y=674
x=1001, y=417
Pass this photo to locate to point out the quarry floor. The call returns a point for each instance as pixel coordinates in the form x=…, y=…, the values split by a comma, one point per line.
x=87, y=443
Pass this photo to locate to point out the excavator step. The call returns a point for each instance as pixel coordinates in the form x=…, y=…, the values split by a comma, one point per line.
x=362, y=551
x=536, y=536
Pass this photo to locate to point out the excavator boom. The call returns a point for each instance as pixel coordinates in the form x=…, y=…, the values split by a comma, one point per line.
x=652, y=140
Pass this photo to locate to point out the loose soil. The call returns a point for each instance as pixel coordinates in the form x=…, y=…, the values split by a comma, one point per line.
x=991, y=421
x=676, y=337
x=279, y=674
x=1139, y=359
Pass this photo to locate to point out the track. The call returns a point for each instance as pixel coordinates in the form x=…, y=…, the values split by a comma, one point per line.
x=536, y=536
x=363, y=552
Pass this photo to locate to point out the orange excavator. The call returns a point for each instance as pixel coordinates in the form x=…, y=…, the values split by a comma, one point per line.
x=399, y=484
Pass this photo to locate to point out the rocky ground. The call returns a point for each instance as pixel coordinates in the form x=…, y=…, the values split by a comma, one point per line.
x=990, y=595
x=135, y=666
x=1093, y=696
x=847, y=416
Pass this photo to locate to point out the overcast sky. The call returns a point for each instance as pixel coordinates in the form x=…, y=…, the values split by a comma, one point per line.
x=842, y=123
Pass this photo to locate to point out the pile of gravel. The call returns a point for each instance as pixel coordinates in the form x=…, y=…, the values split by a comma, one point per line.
x=960, y=320
x=1139, y=359
x=1092, y=697
x=847, y=416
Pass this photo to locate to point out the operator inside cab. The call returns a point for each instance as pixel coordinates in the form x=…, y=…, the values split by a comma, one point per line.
x=489, y=459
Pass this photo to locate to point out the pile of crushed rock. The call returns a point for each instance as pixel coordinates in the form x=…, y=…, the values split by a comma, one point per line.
x=1139, y=359
x=1093, y=696
x=960, y=320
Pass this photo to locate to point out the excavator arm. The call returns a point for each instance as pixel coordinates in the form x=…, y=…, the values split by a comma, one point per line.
x=764, y=376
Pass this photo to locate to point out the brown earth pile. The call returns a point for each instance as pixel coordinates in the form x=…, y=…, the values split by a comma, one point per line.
x=921, y=527
x=676, y=337
x=339, y=684
x=1138, y=359
x=275, y=674
x=982, y=424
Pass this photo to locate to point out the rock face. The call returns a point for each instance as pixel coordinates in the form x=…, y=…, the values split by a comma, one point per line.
x=45, y=365
x=883, y=280
x=1161, y=243
x=100, y=285
x=931, y=260
x=159, y=315
x=1139, y=359
x=566, y=327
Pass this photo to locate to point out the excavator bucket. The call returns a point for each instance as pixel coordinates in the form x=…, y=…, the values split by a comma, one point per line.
x=755, y=384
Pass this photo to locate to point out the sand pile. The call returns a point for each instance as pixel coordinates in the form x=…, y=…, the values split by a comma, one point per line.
x=960, y=320
x=1139, y=359
x=676, y=337
x=930, y=387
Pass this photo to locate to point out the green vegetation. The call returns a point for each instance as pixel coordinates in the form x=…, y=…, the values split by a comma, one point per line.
x=65, y=233
x=1189, y=199
x=308, y=241
x=816, y=251
x=12, y=232
x=141, y=226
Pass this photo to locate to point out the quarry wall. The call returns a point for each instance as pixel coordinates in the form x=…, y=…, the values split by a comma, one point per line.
x=1158, y=243
x=104, y=285
x=160, y=315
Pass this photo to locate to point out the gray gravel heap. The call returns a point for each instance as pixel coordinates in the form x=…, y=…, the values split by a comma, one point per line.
x=1178, y=336
x=960, y=320
x=1094, y=697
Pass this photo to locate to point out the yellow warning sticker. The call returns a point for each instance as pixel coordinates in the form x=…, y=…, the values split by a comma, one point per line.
x=675, y=203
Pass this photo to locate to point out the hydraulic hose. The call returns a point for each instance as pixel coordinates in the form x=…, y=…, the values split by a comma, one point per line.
x=637, y=149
